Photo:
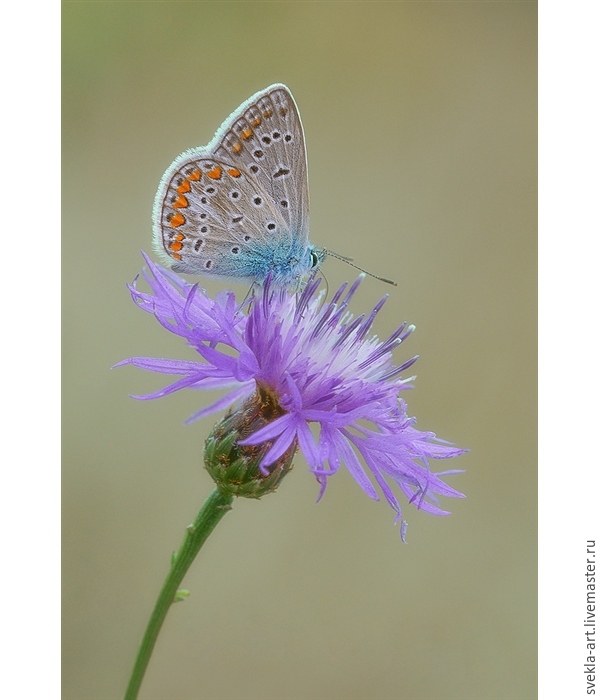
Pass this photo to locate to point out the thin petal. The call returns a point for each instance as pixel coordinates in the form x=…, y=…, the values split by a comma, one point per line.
x=282, y=443
x=162, y=365
x=183, y=383
x=270, y=431
x=308, y=445
x=224, y=402
x=347, y=454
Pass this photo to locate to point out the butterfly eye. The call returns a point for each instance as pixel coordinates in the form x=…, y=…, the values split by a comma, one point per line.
x=314, y=259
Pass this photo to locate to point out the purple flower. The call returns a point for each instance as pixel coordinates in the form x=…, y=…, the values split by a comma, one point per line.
x=324, y=369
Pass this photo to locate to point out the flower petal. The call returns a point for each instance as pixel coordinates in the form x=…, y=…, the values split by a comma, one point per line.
x=270, y=431
x=347, y=454
x=282, y=443
x=224, y=402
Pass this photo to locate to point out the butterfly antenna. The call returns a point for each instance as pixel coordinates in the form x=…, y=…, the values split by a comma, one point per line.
x=348, y=261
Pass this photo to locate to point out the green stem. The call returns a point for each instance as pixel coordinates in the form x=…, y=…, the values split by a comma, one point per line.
x=214, y=508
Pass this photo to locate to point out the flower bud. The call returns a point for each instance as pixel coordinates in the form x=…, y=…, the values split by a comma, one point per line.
x=235, y=468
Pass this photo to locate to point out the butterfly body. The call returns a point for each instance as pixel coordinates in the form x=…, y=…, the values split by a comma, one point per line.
x=238, y=207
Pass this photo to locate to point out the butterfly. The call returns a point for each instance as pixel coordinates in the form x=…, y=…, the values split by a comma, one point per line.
x=238, y=207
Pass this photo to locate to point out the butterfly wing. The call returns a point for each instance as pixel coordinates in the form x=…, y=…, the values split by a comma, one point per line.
x=238, y=207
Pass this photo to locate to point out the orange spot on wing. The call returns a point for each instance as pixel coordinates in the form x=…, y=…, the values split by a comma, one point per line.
x=237, y=147
x=215, y=173
x=246, y=133
x=184, y=187
x=256, y=122
x=268, y=113
x=196, y=175
x=180, y=203
x=179, y=236
x=177, y=219
x=234, y=172
x=176, y=245
x=176, y=256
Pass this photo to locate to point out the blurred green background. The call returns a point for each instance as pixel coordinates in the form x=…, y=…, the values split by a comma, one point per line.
x=420, y=123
